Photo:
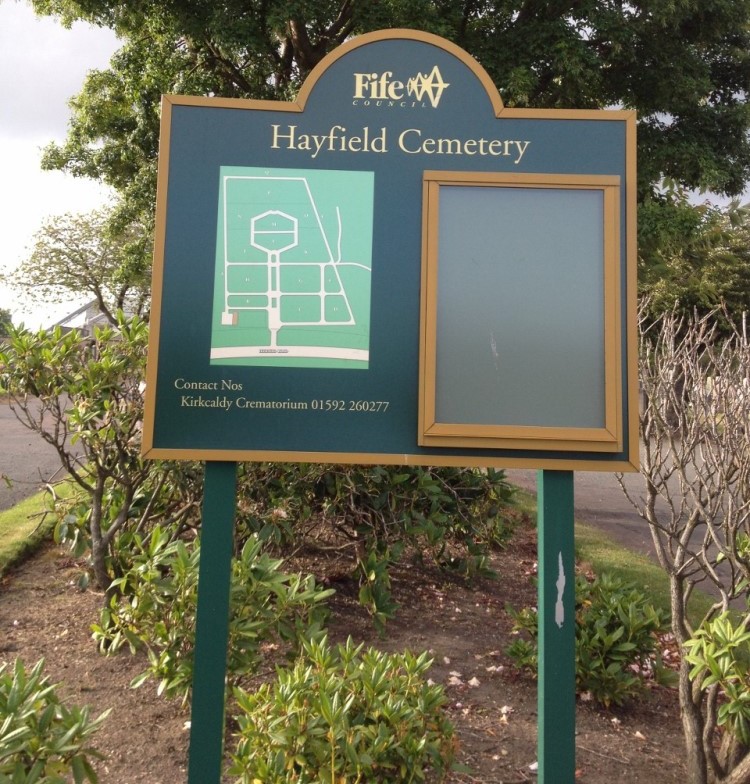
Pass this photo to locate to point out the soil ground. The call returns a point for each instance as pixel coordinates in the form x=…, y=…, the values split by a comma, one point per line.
x=465, y=627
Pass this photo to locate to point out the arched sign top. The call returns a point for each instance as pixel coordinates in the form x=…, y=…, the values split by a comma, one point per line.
x=428, y=82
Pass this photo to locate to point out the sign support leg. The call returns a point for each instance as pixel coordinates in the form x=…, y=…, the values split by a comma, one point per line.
x=556, y=687
x=212, y=624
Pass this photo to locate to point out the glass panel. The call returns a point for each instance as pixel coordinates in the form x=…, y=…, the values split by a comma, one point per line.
x=520, y=307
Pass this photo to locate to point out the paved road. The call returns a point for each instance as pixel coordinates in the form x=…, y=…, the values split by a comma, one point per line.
x=25, y=459
x=599, y=501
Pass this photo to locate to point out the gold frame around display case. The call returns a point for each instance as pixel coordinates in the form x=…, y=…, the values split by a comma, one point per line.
x=518, y=435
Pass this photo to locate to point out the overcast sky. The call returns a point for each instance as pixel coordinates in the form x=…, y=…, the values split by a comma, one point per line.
x=42, y=65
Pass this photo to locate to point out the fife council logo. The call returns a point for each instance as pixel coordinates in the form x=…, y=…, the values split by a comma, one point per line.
x=381, y=89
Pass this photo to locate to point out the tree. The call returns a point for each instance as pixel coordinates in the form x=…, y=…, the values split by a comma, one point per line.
x=684, y=66
x=81, y=254
x=5, y=322
x=695, y=497
x=693, y=257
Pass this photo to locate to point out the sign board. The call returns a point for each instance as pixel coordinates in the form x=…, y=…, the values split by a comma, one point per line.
x=394, y=269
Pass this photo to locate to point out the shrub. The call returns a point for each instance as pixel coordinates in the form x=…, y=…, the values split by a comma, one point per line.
x=452, y=515
x=719, y=653
x=344, y=715
x=169, y=495
x=427, y=505
x=616, y=642
x=156, y=610
x=84, y=396
x=42, y=741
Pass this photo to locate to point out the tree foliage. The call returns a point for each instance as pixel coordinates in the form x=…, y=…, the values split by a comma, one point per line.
x=6, y=322
x=684, y=66
x=76, y=255
x=84, y=397
x=695, y=258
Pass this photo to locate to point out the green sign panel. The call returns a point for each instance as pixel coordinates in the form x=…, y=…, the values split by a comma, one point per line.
x=394, y=269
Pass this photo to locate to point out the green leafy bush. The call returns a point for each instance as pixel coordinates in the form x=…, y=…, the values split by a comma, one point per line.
x=84, y=396
x=452, y=515
x=155, y=500
x=344, y=715
x=720, y=656
x=156, y=607
x=427, y=505
x=616, y=644
x=42, y=741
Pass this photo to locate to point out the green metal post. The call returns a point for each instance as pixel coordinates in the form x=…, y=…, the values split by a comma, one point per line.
x=212, y=624
x=556, y=695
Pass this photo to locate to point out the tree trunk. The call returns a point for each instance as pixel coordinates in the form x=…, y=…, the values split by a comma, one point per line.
x=692, y=730
x=99, y=564
x=740, y=774
x=99, y=545
x=690, y=711
x=735, y=758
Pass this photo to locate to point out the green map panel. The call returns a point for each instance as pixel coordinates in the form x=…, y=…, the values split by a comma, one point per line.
x=293, y=268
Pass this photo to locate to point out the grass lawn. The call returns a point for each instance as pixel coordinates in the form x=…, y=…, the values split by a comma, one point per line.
x=24, y=526
x=594, y=547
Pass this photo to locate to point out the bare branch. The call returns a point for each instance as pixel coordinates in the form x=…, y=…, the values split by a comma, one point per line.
x=695, y=431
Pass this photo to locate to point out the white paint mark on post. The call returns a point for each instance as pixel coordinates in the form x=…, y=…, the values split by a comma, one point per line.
x=559, y=607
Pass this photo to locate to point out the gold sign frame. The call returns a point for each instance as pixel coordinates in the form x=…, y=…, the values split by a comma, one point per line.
x=432, y=431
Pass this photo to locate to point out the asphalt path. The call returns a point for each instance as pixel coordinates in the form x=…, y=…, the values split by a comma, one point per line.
x=599, y=501
x=27, y=462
